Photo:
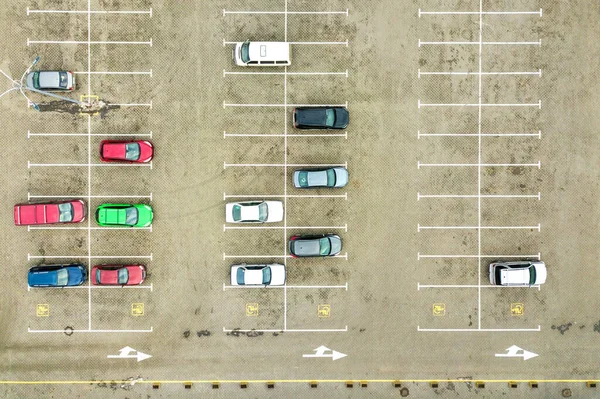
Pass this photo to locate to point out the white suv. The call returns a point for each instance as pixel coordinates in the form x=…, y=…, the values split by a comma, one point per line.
x=520, y=273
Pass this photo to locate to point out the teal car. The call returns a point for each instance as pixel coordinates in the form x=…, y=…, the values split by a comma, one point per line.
x=126, y=215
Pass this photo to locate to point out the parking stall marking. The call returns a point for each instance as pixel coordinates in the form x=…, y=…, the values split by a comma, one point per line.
x=225, y=256
x=226, y=227
x=89, y=163
x=281, y=165
x=284, y=135
x=344, y=196
x=479, y=164
x=235, y=287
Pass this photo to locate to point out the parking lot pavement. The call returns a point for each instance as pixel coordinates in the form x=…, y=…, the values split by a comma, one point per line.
x=449, y=170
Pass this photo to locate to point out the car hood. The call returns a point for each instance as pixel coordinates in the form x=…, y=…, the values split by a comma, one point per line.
x=275, y=211
x=342, y=117
x=336, y=245
x=277, y=274
x=77, y=275
x=29, y=80
x=341, y=177
x=540, y=273
x=145, y=215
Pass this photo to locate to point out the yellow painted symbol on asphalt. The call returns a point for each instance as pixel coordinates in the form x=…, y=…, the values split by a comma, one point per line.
x=137, y=309
x=517, y=309
x=324, y=310
x=89, y=100
x=439, y=309
x=42, y=310
x=252, y=309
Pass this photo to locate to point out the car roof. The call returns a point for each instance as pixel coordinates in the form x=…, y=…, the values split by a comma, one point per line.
x=307, y=246
x=269, y=51
x=515, y=276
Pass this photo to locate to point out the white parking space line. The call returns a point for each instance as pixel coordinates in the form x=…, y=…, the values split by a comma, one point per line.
x=30, y=196
x=29, y=228
x=226, y=12
x=537, y=196
x=29, y=256
x=420, y=165
x=281, y=165
x=478, y=329
x=138, y=165
x=420, y=73
x=345, y=74
x=225, y=42
x=532, y=43
x=419, y=286
x=50, y=134
x=478, y=13
x=344, y=256
x=523, y=256
x=114, y=73
x=89, y=331
x=538, y=104
x=479, y=227
x=87, y=42
x=149, y=12
x=226, y=227
x=284, y=105
x=345, y=135
x=286, y=286
x=97, y=287
x=344, y=196
x=287, y=330
x=538, y=134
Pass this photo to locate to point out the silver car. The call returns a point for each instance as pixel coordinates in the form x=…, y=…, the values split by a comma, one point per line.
x=520, y=273
x=51, y=80
x=313, y=178
x=272, y=274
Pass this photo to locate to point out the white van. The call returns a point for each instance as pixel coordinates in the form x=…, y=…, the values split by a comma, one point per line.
x=262, y=54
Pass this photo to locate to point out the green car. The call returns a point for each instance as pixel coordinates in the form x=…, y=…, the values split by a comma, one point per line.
x=127, y=215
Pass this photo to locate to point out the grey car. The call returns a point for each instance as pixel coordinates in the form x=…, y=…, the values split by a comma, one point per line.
x=313, y=178
x=315, y=245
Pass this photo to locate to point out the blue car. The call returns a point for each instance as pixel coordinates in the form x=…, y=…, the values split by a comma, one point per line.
x=57, y=275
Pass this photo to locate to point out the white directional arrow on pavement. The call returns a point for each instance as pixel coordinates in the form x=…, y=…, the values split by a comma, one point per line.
x=513, y=351
x=125, y=353
x=320, y=352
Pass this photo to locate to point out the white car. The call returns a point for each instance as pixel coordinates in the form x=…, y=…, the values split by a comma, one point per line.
x=272, y=274
x=51, y=80
x=520, y=273
x=254, y=212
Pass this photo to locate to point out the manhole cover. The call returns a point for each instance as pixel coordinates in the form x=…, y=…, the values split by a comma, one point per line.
x=404, y=392
x=566, y=393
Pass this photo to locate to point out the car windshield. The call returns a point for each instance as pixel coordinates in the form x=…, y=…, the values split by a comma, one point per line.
x=62, y=277
x=245, y=52
x=532, y=275
x=240, y=276
x=266, y=275
x=324, y=246
x=131, y=216
x=36, y=80
x=123, y=276
x=237, y=213
x=330, y=177
x=263, y=212
x=132, y=151
x=65, y=212
x=329, y=117
x=62, y=80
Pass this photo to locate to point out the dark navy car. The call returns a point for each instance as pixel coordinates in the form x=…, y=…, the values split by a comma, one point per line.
x=321, y=118
x=57, y=275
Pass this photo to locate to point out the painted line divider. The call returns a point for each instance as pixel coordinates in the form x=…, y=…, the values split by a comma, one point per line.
x=480, y=13
x=538, y=196
x=287, y=330
x=226, y=73
x=29, y=134
x=226, y=227
x=225, y=12
x=420, y=104
x=345, y=43
x=344, y=256
x=538, y=227
x=477, y=329
x=235, y=287
x=419, y=286
x=419, y=73
x=113, y=73
x=95, y=287
x=29, y=256
x=89, y=331
x=29, y=196
x=30, y=42
x=140, y=165
x=344, y=196
x=538, y=134
x=345, y=135
x=149, y=12
x=419, y=164
x=29, y=228
x=523, y=256
x=225, y=104
x=282, y=165
x=425, y=43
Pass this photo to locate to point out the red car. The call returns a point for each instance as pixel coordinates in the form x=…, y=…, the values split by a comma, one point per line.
x=72, y=211
x=118, y=274
x=126, y=151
